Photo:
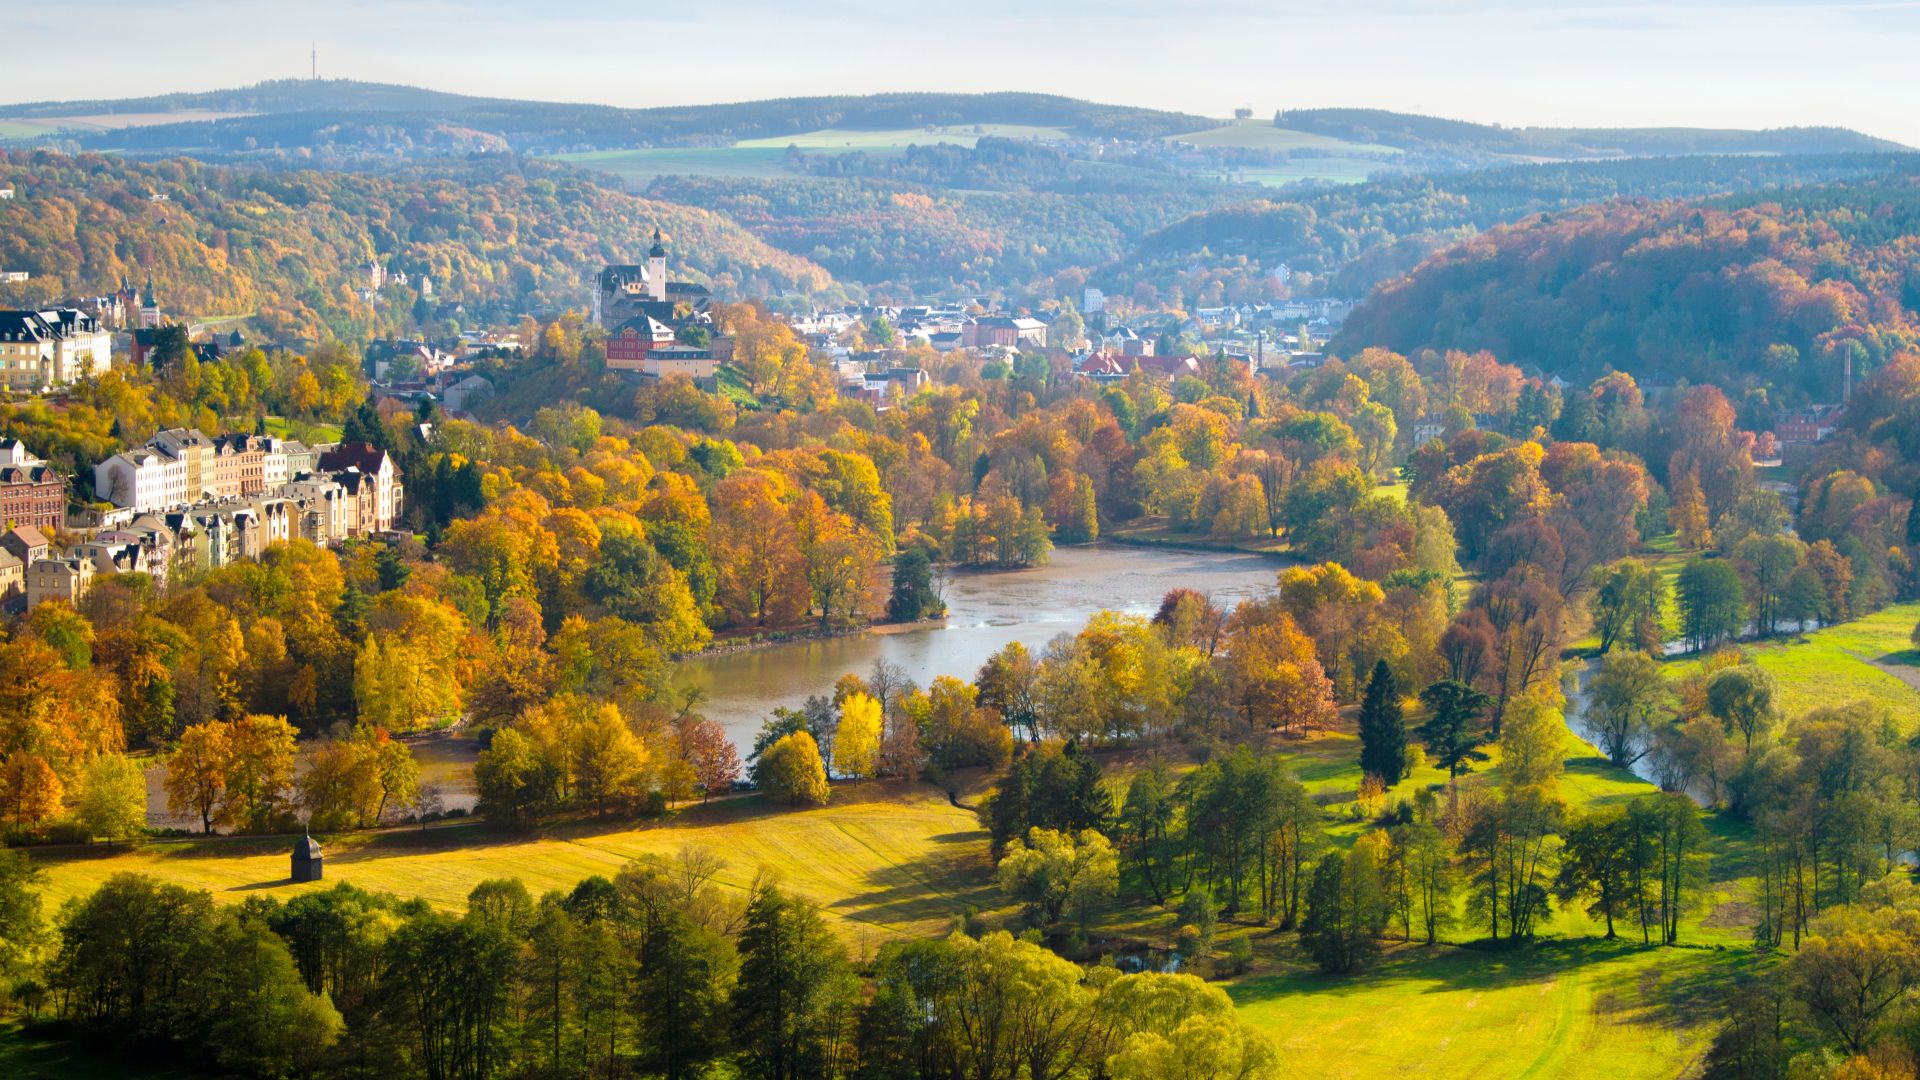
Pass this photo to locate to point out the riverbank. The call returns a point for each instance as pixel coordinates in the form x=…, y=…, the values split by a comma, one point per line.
x=1159, y=536
x=771, y=638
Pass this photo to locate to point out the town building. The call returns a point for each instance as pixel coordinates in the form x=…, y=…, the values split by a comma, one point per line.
x=32, y=494
x=1014, y=333
x=40, y=349
x=58, y=579
x=372, y=480
x=142, y=480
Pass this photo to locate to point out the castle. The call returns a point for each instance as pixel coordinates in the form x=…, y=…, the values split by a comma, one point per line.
x=630, y=290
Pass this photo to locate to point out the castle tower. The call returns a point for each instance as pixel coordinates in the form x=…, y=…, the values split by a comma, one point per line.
x=149, y=307
x=657, y=268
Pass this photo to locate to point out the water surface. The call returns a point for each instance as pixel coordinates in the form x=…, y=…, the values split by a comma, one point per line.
x=985, y=612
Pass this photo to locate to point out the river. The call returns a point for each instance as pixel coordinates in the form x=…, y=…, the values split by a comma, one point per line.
x=985, y=612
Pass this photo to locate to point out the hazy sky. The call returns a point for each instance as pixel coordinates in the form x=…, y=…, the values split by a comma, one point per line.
x=1758, y=63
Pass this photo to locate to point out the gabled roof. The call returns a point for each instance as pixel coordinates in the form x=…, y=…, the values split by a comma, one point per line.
x=363, y=456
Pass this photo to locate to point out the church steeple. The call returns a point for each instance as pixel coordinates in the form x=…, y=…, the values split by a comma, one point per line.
x=659, y=249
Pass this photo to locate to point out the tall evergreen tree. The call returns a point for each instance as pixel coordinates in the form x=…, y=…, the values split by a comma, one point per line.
x=791, y=969
x=1383, y=730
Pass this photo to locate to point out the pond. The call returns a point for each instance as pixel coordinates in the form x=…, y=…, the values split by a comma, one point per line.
x=985, y=612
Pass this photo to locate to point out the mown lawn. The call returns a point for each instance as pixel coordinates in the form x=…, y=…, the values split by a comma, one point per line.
x=1584, y=1008
x=883, y=860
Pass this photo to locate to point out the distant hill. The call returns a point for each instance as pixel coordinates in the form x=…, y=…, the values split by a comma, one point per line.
x=1772, y=286
x=1428, y=133
x=295, y=113
x=290, y=249
x=1349, y=239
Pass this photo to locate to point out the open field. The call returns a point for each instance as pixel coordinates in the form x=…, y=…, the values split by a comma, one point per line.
x=1256, y=134
x=282, y=428
x=901, y=138
x=762, y=158
x=28, y=127
x=1869, y=659
x=1555, y=1009
x=883, y=860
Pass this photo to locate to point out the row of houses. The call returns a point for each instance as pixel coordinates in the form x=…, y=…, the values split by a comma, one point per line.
x=333, y=492
x=253, y=493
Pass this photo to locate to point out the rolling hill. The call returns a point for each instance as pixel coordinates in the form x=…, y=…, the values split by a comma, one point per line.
x=1774, y=287
x=290, y=249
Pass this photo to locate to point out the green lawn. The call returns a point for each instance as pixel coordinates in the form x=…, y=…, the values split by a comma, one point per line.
x=282, y=428
x=1869, y=659
x=883, y=859
x=1556, y=1009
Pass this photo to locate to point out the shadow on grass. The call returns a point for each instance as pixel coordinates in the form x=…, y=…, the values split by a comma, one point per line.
x=938, y=884
x=1450, y=968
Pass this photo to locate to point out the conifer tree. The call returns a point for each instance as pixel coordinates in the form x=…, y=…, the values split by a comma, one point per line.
x=1383, y=730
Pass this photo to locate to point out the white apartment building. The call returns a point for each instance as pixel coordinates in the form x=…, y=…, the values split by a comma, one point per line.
x=142, y=480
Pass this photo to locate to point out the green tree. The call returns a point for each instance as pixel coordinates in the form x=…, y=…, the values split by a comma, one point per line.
x=1383, y=730
x=1452, y=707
x=1625, y=701
x=20, y=923
x=1057, y=874
x=1346, y=911
x=1596, y=865
x=915, y=595
x=793, y=989
x=1741, y=698
x=113, y=798
x=1713, y=603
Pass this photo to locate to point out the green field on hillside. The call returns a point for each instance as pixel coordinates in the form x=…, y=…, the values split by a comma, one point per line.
x=761, y=158
x=901, y=138
x=1262, y=135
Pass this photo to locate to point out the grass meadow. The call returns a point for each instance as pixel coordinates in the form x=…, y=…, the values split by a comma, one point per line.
x=764, y=158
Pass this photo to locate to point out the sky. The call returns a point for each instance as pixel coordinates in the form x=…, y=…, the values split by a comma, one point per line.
x=1712, y=63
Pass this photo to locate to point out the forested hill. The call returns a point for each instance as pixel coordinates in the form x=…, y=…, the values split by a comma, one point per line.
x=292, y=113
x=1359, y=236
x=291, y=249
x=1777, y=286
x=1461, y=136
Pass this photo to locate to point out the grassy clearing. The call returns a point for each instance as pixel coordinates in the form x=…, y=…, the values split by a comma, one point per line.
x=1870, y=659
x=883, y=860
x=282, y=428
x=1556, y=1009
x=900, y=139
x=1255, y=134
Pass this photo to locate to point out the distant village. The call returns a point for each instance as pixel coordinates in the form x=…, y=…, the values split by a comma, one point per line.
x=186, y=500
